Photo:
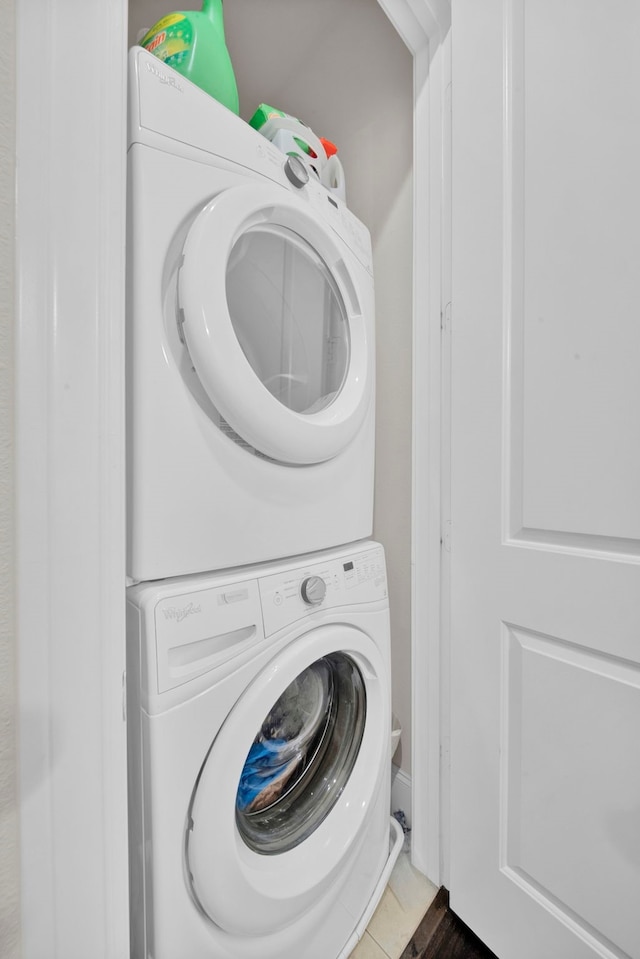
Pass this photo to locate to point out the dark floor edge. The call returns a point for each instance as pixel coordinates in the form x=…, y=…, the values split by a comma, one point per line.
x=443, y=935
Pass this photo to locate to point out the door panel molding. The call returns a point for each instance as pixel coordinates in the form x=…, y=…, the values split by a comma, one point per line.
x=537, y=672
x=560, y=341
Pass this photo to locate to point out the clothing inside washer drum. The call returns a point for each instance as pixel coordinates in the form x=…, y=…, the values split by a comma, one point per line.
x=302, y=755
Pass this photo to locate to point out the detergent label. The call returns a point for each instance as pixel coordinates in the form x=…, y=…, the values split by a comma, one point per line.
x=170, y=40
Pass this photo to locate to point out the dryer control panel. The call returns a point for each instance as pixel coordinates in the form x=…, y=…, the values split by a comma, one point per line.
x=347, y=580
x=170, y=113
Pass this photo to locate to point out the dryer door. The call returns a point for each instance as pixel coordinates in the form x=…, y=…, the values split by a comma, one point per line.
x=273, y=320
x=284, y=794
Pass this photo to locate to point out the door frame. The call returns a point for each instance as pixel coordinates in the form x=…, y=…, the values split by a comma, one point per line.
x=69, y=431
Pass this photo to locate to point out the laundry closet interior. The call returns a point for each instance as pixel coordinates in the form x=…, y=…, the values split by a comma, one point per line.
x=344, y=70
x=311, y=492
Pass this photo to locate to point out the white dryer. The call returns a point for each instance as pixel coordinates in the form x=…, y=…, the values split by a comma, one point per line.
x=250, y=343
x=259, y=759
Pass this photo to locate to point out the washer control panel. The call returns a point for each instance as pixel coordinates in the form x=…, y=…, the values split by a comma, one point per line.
x=347, y=580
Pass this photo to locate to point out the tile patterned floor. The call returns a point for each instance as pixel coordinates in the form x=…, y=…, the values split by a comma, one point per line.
x=404, y=902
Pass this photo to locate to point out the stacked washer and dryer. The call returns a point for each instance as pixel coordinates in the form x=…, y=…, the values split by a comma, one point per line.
x=258, y=675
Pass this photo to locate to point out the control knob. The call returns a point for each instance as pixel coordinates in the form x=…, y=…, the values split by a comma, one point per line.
x=296, y=171
x=313, y=590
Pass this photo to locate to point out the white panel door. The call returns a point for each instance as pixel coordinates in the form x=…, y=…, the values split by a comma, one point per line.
x=545, y=548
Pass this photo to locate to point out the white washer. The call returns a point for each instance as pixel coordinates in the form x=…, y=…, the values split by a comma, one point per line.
x=250, y=343
x=234, y=856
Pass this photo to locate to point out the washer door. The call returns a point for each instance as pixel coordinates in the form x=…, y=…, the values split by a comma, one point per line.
x=272, y=319
x=286, y=788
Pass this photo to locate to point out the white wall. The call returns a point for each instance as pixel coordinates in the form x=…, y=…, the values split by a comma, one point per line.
x=9, y=873
x=342, y=69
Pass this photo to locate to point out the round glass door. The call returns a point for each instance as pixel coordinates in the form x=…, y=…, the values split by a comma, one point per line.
x=289, y=317
x=302, y=756
x=289, y=781
x=272, y=313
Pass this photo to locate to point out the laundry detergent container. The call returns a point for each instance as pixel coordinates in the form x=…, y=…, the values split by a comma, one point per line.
x=193, y=44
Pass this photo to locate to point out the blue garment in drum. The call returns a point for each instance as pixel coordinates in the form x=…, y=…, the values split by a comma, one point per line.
x=263, y=765
x=284, y=739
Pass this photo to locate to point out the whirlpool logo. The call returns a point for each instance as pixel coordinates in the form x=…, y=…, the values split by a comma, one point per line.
x=164, y=77
x=179, y=613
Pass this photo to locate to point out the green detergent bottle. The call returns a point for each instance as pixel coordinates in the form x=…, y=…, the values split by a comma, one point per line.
x=192, y=42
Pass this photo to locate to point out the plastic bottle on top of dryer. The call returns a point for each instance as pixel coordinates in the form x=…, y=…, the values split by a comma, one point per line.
x=193, y=43
x=295, y=138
